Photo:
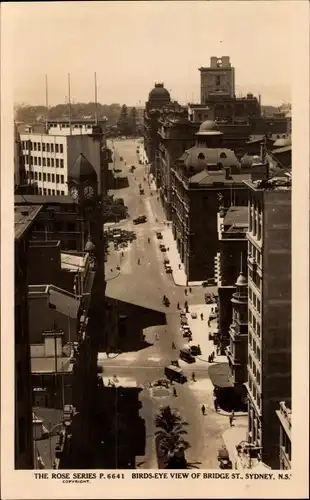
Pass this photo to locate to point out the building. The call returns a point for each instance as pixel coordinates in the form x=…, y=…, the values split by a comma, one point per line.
x=218, y=79
x=237, y=351
x=284, y=414
x=59, y=220
x=24, y=219
x=51, y=371
x=48, y=157
x=232, y=243
x=175, y=135
x=206, y=177
x=269, y=310
x=76, y=126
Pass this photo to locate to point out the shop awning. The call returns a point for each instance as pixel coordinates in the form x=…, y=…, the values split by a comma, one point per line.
x=219, y=374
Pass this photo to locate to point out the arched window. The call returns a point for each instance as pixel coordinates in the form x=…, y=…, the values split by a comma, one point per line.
x=223, y=155
x=201, y=156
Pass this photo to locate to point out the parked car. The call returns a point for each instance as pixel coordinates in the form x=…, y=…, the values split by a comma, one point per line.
x=208, y=298
x=168, y=269
x=195, y=350
x=186, y=355
x=159, y=235
x=209, y=282
x=121, y=158
x=194, y=315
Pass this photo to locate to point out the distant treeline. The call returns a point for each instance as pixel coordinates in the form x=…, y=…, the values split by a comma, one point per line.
x=31, y=114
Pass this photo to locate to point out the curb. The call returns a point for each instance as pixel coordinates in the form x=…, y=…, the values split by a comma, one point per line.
x=113, y=277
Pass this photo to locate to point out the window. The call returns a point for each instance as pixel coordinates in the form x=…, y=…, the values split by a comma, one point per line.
x=36, y=176
x=223, y=155
x=43, y=146
x=61, y=163
x=258, y=353
x=53, y=163
x=48, y=147
x=39, y=161
x=218, y=81
x=34, y=146
x=61, y=148
x=53, y=192
x=62, y=192
x=258, y=305
x=48, y=177
x=49, y=191
x=53, y=177
x=39, y=146
x=57, y=163
x=48, y=162
x=56, y=148
x=57, y=192
x=40, y=190
x=258, y=329
x=57, y=178
x=52, y=148
x=40, y=176
x=44, y=176
x=31, y=160
x=44, y=162
x=35, y=160
x=62, y=179
x=44, y=191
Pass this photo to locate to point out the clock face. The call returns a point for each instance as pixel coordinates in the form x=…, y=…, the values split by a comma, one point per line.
x=89, y=192
x=74, y=193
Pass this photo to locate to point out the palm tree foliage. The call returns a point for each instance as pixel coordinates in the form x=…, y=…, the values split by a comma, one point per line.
x=170, y=435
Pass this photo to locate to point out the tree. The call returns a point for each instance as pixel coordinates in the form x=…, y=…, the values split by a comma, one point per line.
x=123, y=121
x=133, y=121
x=170, y=436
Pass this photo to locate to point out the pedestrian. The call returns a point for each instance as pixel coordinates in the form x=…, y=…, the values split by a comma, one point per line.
x=156, y=336
x=185, y=291
x=203, y=410
x=150, y=385
x=179, y=266
x=209, y=324
x=209, y=358
x=175, y=392
x=201, y=316
x=193, y=377
x=173, y=345
x=185, y=304
x=215, y=405
x=122, y=254
x=190, y=290
x=138, y=262
x=178, y=305
x=231, y=418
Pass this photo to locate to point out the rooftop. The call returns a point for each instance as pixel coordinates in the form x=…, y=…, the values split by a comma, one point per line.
x=38, y=199
x=215, y=178
x=236, y=216
x=24, y=216
x=272, y=184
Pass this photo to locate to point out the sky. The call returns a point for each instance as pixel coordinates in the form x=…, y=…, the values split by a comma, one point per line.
x=131, y=45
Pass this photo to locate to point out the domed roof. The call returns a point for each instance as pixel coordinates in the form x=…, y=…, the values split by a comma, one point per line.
x=89, y=247
x=198, y=158
x=82, y=170
x=209, y=127
x=159, y=92
x=282, y=142
x=241, y=281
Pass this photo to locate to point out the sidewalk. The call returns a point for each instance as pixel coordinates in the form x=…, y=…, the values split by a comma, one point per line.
x=179, y=276
x=233, y=436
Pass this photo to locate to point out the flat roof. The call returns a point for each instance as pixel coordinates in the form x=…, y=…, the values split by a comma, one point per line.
x=47, y=365
x=39, y=199
x=237, y=216
x=272, y=184
x=24, y=216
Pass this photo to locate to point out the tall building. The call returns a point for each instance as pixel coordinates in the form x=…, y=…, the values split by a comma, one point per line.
x=206, y=177
x=237, y=351
x=284, y=414
x=217, y=80
x=269, y=311
x=24, y=218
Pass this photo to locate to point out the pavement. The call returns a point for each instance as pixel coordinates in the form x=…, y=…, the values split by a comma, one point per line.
x=138, y=289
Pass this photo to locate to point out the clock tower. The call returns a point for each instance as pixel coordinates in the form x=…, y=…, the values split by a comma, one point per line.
x=83, y=182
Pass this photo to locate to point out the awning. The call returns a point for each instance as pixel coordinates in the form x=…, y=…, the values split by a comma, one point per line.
x=219, y=374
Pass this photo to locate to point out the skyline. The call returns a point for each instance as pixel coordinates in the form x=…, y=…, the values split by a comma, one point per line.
x=127, y=74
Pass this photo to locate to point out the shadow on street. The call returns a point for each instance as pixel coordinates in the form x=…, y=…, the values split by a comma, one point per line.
x=132, y=320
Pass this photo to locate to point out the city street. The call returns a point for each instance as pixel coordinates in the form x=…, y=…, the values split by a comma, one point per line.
x=143, y=285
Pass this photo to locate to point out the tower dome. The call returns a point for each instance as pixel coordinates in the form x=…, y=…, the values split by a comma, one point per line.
x=159, y=93
x=241, y=281
x=82, y=171
x=209, y=127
